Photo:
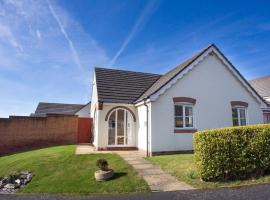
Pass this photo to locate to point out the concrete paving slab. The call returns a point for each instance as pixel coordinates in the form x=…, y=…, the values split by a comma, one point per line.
x=156, y=178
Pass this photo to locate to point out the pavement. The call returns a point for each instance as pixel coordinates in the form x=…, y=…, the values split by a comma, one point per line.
x=258, y=192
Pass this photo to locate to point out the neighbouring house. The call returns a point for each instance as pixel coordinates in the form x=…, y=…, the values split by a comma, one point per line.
x=159, y=113
x=262, y=86
x=82, y=110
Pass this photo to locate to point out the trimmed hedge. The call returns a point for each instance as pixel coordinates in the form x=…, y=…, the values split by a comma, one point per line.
x=233, y=153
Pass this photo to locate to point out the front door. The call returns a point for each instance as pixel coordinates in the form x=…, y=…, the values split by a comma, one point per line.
x=120, y=131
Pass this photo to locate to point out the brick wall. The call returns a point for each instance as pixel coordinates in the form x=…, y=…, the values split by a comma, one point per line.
x=22, y=133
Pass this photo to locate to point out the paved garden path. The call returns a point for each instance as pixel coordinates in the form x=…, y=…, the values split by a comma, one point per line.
x=157, y=179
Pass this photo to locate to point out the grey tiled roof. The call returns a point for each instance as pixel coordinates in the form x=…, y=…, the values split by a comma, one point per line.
x=120, y=86
x=57, y=108
x=262, y=86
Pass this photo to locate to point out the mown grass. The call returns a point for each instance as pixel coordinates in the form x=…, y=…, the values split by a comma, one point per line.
x=59, y=171
x=182, y=166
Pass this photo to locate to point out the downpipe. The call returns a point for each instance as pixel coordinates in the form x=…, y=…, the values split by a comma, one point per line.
x=147, y=138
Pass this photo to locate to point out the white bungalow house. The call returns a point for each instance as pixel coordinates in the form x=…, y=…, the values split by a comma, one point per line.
x=159, y=113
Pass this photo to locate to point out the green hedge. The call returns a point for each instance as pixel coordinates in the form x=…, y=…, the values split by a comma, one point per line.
x=233, y=153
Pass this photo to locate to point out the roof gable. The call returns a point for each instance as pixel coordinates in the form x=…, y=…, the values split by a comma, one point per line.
x=163, y=80
x=188, y=65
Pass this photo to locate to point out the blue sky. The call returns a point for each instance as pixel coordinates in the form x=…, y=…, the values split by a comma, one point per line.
x=48, y=48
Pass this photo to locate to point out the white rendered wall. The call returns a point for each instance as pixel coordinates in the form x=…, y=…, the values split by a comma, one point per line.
x=85, y=111
x=142, y=127
x=94, y=98
x=94, y=113
x=103, y=125
x=214, y=87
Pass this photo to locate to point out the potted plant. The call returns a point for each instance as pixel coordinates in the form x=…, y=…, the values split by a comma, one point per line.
x=104, y=173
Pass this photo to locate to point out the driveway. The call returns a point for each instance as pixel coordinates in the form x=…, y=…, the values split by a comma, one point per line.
x=260, y=192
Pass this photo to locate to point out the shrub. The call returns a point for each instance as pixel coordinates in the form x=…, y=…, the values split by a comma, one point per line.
x=232, y=153
x=191, y=174
x=102, y=164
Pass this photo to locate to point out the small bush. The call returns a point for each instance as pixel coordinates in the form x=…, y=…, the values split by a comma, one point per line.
x=102, y=164
x=232, y=153
x=191, y=174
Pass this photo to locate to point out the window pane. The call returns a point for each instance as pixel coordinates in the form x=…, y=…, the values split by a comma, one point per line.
x=243, y=121
x=127, y=127
x=234, y=113
x=120, y=122
x=112, y=129
x=242, y=117
x=235, y=121
x=120, y=140
x=178, y=110
x=188, y=111
x=179, y=122
x=189, y=121
x=234, y=116
x=242, y=113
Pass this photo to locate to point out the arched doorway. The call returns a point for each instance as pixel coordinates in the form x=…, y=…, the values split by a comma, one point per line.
x=121, y=128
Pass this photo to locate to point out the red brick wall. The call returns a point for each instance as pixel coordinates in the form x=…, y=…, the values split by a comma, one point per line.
x=21, y=133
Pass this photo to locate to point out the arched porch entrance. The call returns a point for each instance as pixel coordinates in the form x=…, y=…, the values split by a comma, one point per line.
x=121, y=128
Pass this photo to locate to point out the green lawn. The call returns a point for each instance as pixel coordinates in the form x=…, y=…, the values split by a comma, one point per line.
x=59, y=171
x=182, y=166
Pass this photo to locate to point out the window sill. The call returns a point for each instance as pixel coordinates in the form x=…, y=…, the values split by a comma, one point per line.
x=185, y=130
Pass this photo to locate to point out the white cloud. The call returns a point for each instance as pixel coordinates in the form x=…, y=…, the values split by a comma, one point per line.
x=146, y=13
x=38, y=29
x=34, y=53
x=38, y=34
x=7, y=35
x=71, y=45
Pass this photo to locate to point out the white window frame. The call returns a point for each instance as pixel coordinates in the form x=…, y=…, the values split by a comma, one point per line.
x=238, y=108
x=184, y=116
